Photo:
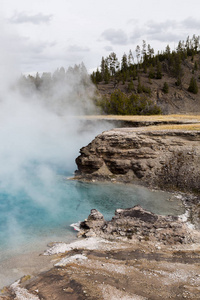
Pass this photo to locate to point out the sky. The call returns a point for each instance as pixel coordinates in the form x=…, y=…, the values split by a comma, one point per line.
x=43, y=35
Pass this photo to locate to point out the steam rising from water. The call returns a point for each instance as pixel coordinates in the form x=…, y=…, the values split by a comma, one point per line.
x=33, y=135
x=39, y=135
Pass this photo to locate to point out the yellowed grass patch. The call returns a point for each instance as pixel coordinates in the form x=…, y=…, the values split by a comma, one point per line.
x=167, y=118
x=187, y=127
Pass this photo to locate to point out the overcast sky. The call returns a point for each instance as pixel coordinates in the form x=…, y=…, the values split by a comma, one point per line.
x=47, y=34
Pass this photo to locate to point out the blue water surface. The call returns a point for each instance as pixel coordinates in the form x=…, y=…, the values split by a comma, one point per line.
x=45, y=214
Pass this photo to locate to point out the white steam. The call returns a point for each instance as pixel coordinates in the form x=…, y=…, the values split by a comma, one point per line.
x=40, y=137
x=40, y=133
x=38, y=129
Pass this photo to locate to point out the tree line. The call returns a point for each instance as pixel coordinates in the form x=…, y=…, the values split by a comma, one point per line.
x=65, y=90
x=146, y=61
x=45, y=82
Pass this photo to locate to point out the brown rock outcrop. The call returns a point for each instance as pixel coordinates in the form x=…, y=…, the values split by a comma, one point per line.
x=165, y=158
x=138, y=223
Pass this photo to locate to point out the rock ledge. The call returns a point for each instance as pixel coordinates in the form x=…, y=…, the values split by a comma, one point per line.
x=168, y=159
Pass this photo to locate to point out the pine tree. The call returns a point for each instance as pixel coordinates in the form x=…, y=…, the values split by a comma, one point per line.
x=158, y=70
x=151, y=72
x=102, y=67
x=98, y=76
x=195, y=66
x=165, y=88
x=38, y=81
x=177, y=69
x=193, y=87
x=124, y=64
x=139, y=87
x=137, y=50
x=144, y=50
x=150, y=52
x=113, y=63
x=106, y=74
x=167, y=50
x=130, y=59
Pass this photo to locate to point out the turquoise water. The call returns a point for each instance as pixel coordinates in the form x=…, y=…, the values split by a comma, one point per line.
x=30, y=219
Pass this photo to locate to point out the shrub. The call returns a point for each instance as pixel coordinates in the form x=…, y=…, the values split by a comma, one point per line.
x=143, y=89
x=151, y=72
x=121, y=104
x=131, y=87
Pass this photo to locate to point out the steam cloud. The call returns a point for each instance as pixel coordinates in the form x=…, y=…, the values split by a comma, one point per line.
x=38, y=130
x=40, y=133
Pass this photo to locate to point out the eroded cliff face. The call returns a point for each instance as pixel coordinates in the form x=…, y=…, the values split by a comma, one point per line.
x=164, y=159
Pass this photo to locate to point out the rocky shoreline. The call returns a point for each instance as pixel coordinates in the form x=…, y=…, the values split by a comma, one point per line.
x=136, y=255
x=138, y=223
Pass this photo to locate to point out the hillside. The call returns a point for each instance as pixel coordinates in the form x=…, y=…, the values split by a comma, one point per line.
x=164, y=78
x=177, y=100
